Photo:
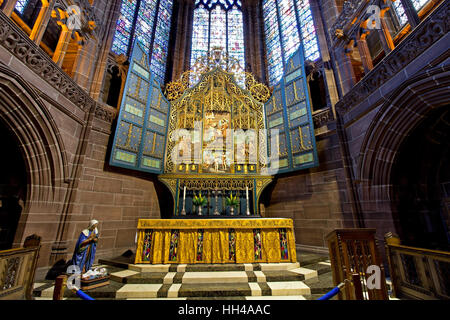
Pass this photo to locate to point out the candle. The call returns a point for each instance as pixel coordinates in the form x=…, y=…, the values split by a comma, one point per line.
x=184, y=193
x=246, y=192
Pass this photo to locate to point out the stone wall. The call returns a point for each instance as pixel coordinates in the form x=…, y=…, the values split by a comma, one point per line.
x=315, y=199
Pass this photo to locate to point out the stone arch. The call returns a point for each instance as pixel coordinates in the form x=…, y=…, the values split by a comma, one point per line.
x=394, y=122
x=25, y=115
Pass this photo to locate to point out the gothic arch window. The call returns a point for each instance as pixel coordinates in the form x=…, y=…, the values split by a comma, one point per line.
x=218, y=23
x=285, y=23
x=149, y=21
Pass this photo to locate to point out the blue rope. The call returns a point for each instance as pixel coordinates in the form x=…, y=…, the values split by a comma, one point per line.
x=83, y=295
x=330, y=294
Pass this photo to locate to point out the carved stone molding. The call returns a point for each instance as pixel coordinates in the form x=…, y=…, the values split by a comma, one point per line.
x=350, y=10
x=13, y=39
x=104, y=114
x=423, y=36
x=322, y=118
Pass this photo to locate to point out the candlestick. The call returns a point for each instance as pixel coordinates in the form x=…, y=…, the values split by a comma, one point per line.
x=183, y=212
x=248, y=202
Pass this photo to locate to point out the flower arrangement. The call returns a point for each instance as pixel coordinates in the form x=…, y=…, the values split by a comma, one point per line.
x=232, y=201
x=199, y=200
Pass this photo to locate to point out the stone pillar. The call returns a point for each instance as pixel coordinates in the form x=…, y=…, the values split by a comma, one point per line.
x=411, y=13
x=9, y=6
x=183, y=36
x=385, y=35
x=253, y=39
x=345, y=67
x=63, y=43
x=330, y=81
x=98, y=72
x=86, y=64
x=364, y=52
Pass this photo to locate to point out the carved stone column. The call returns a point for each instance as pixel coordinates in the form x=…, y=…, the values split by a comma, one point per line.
x=364, y=52
x=9, y=6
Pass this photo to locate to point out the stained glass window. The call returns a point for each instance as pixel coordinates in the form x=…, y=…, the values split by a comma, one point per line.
x=400, y=11
x=218, y=23
x=137, y=21
x=289, y=30
x=283, y=20
x=310, y=43
x=200, y=33
x=124, y=26
x=21, y=5
x=235, y=36
x=418, y=4
x=218, y=36
x=144, y=22
x=161, y=43
x=273, y=43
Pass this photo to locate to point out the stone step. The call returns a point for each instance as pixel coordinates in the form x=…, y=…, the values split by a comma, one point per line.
x=321, y=268
x=134, y=277
x=307, y=259
x=185, y=290
x=321, y=285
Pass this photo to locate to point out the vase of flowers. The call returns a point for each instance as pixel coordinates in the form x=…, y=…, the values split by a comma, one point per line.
x=199, y=201
x=232, y=202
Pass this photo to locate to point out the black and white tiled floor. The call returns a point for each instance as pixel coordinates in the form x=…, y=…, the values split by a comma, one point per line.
x=225, y=281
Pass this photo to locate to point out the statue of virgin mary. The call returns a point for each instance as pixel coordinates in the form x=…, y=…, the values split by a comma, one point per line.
x=85, y=248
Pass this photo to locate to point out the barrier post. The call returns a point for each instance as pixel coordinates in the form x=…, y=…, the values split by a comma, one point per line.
x=60, y=287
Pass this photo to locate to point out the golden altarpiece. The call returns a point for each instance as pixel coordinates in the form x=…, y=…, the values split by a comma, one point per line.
x=215, y=137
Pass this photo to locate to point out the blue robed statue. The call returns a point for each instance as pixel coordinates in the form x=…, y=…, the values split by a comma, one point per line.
x=85, y=248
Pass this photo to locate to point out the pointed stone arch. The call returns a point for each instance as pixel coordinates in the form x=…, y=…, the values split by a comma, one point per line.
x=396, y=119
x=26, y=116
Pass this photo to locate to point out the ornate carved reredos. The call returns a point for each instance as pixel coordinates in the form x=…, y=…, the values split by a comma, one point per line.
x=217, y=95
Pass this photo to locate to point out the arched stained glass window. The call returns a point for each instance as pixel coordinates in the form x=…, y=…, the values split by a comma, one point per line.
x=284, y=22
x=149, y=21
x=218, y=23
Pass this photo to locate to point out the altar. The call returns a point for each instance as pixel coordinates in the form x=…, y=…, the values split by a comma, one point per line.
x=193, y=241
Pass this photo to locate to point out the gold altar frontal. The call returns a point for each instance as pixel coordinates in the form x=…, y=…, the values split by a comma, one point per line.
x=192, y=241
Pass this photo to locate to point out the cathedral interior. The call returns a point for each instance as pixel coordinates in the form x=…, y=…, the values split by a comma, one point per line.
x=91, y=92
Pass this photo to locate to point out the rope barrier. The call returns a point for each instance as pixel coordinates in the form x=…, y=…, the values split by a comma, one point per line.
x=333, y=292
